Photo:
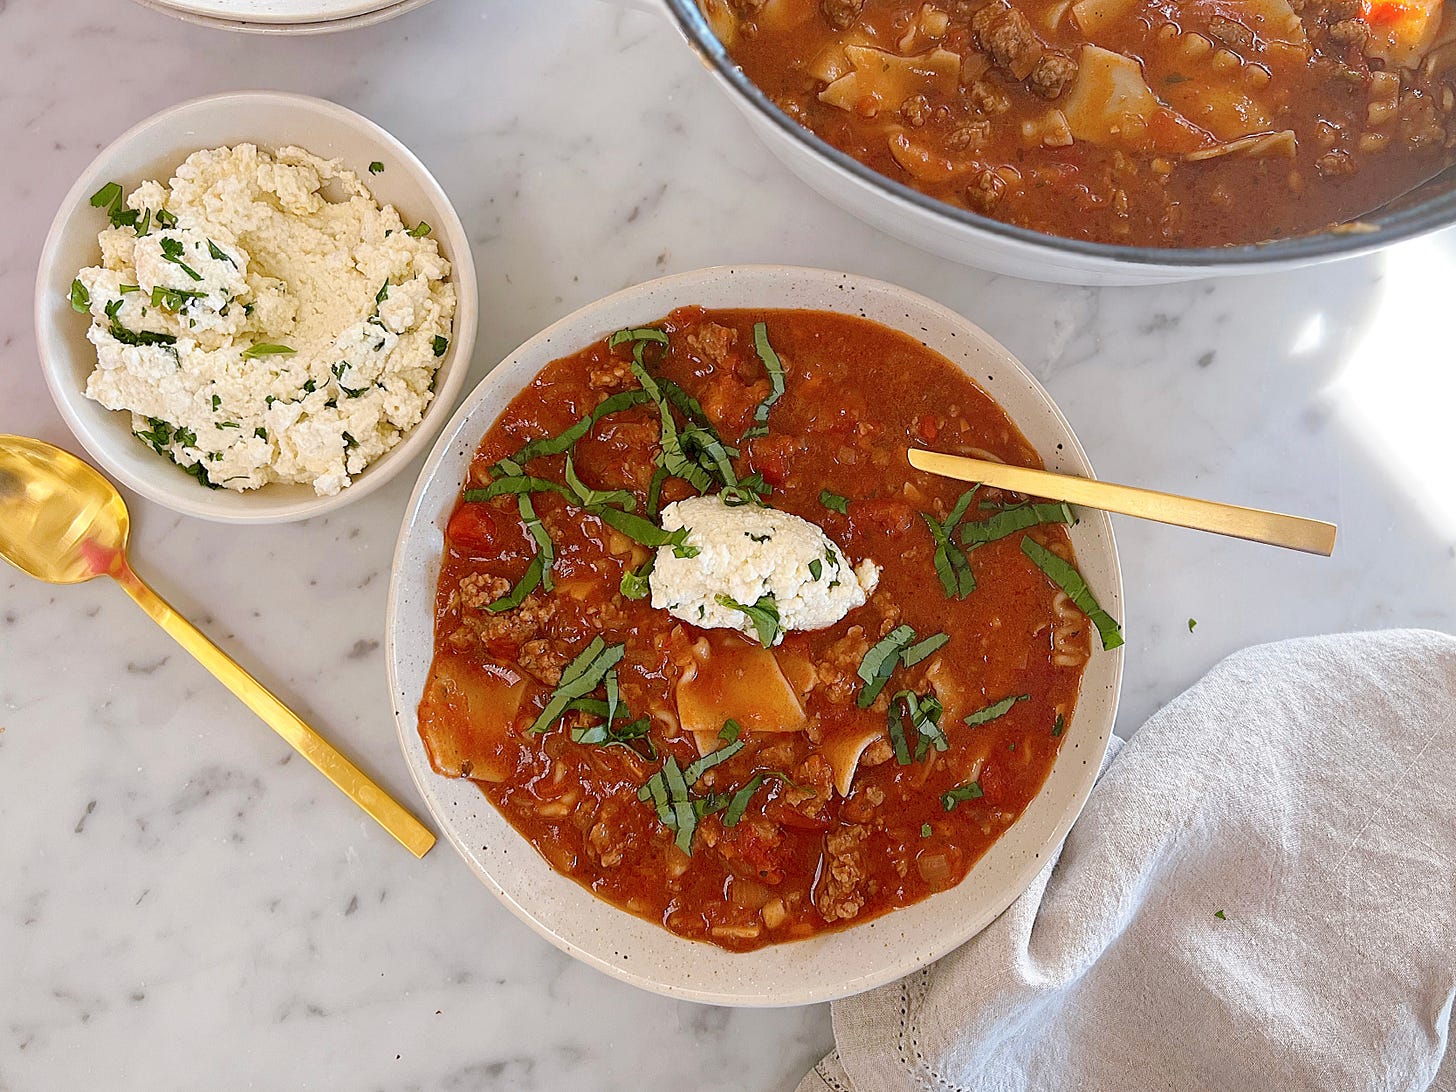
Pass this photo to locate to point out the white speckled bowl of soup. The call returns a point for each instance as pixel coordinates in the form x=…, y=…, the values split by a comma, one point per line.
x=1105, y=141
x=771, y=818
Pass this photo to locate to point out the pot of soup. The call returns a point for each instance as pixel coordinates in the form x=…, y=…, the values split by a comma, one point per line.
x=1105, y=141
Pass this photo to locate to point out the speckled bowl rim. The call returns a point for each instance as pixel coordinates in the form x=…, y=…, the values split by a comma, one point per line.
x=357, y=21
x=106, y=434
x=641, y=953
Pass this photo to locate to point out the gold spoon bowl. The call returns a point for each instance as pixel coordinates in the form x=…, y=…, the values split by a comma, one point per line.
x=62, y=522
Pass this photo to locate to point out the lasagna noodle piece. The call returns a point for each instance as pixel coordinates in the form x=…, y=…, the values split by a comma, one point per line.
x=466, y=718
x=733, y=678
x=887, y=79
x=1111, y=104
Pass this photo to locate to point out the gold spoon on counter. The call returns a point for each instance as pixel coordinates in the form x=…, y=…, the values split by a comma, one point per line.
x=62, y=522
x=1292, y=532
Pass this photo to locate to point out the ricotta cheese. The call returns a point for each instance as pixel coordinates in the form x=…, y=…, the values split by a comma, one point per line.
x=747, y=552
x=266, y=320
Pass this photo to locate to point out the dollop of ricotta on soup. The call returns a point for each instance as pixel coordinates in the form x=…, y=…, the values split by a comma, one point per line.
x=750, y=565
x=264, y=318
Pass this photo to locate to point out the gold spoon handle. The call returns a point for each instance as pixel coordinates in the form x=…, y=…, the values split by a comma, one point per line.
x=385, y=810
x=1292, y=532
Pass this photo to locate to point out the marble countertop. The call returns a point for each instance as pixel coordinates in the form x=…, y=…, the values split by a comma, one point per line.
x=183, y=906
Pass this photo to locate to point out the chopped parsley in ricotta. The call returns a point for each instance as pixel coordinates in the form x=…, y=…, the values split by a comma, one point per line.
x=264, y=319
x=753, y=565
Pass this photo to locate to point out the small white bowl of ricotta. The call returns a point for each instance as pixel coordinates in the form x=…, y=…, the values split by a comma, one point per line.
x=255, y=307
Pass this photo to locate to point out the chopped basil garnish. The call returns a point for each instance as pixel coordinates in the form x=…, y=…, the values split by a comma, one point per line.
x=260, y=434
x=816, y=569
x=133, y=337
x=635, y=584
x=775, y=368
x=128, y=289
x=646, y=532
x=969, y=791
x=106, y=196
x=917, y=652
x=220, y=254
x=588, y=497
x=738, y=804
x=834, y=502
x=1010, y=520
x=925, y=830
x=730, y=731
x=1220, y=915
x=1060, y=726
x=529, y=582
x=555, y=445
x=513, y=486
x=764, y=614
x=951, y=564
x=165, y=219
x=711, y=759
x=991, y=712
x=879, y=663
x=580, y=677
x=639, y=333
x=1066, y=577
x=174, y=299
x=172, y=250
x=265, y=349
x=1192, y=622
x=922, y=713
x=376, y=167
x=419, y=231
x=80, y=298
x=382, y=294
x=216, y=401
x=440, y=344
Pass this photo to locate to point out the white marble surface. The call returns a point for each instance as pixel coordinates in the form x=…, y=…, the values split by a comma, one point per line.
x=182, y=906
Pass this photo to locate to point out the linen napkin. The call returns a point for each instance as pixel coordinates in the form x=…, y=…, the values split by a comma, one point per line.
x=1260, y=894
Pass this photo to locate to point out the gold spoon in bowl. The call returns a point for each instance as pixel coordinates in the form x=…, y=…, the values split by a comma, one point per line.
x=1311, y=536
x=62, y=522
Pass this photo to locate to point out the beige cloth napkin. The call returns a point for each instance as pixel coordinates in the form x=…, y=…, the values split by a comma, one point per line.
x=1261, y=894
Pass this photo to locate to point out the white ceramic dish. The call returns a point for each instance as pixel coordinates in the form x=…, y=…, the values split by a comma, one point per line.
x=153, y=149
x=370, y=14
x=637, y=951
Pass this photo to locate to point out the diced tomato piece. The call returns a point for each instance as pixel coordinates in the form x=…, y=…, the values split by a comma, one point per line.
x=993, y=783
x=895, y=517
x=474, y=530
x=770, y=457
x=927, y=428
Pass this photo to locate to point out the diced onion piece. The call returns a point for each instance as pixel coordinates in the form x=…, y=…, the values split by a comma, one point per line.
x=721, y=20
x=732, y=678
x=465, y=719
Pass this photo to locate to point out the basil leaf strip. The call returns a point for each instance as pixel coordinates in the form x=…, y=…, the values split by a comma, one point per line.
x=588, y=497
x=991, y=712
x=512, y=486
x=1010, y=520
x=951, y=564
x=834, y=502
x=1065, y=576
x=555, y=445
x=639, y=333
x=775, y=368
x=264, y=349
x=529, y=582
x=879, y=663
x=635, y=583
x=711, y=759
x=80, y=298
x=969, y=791
x=685, y=818
x=645, y=531
x=583, y=675
x=739, y=803
x=537, y=530
x=764, y=614
x=917, y=652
